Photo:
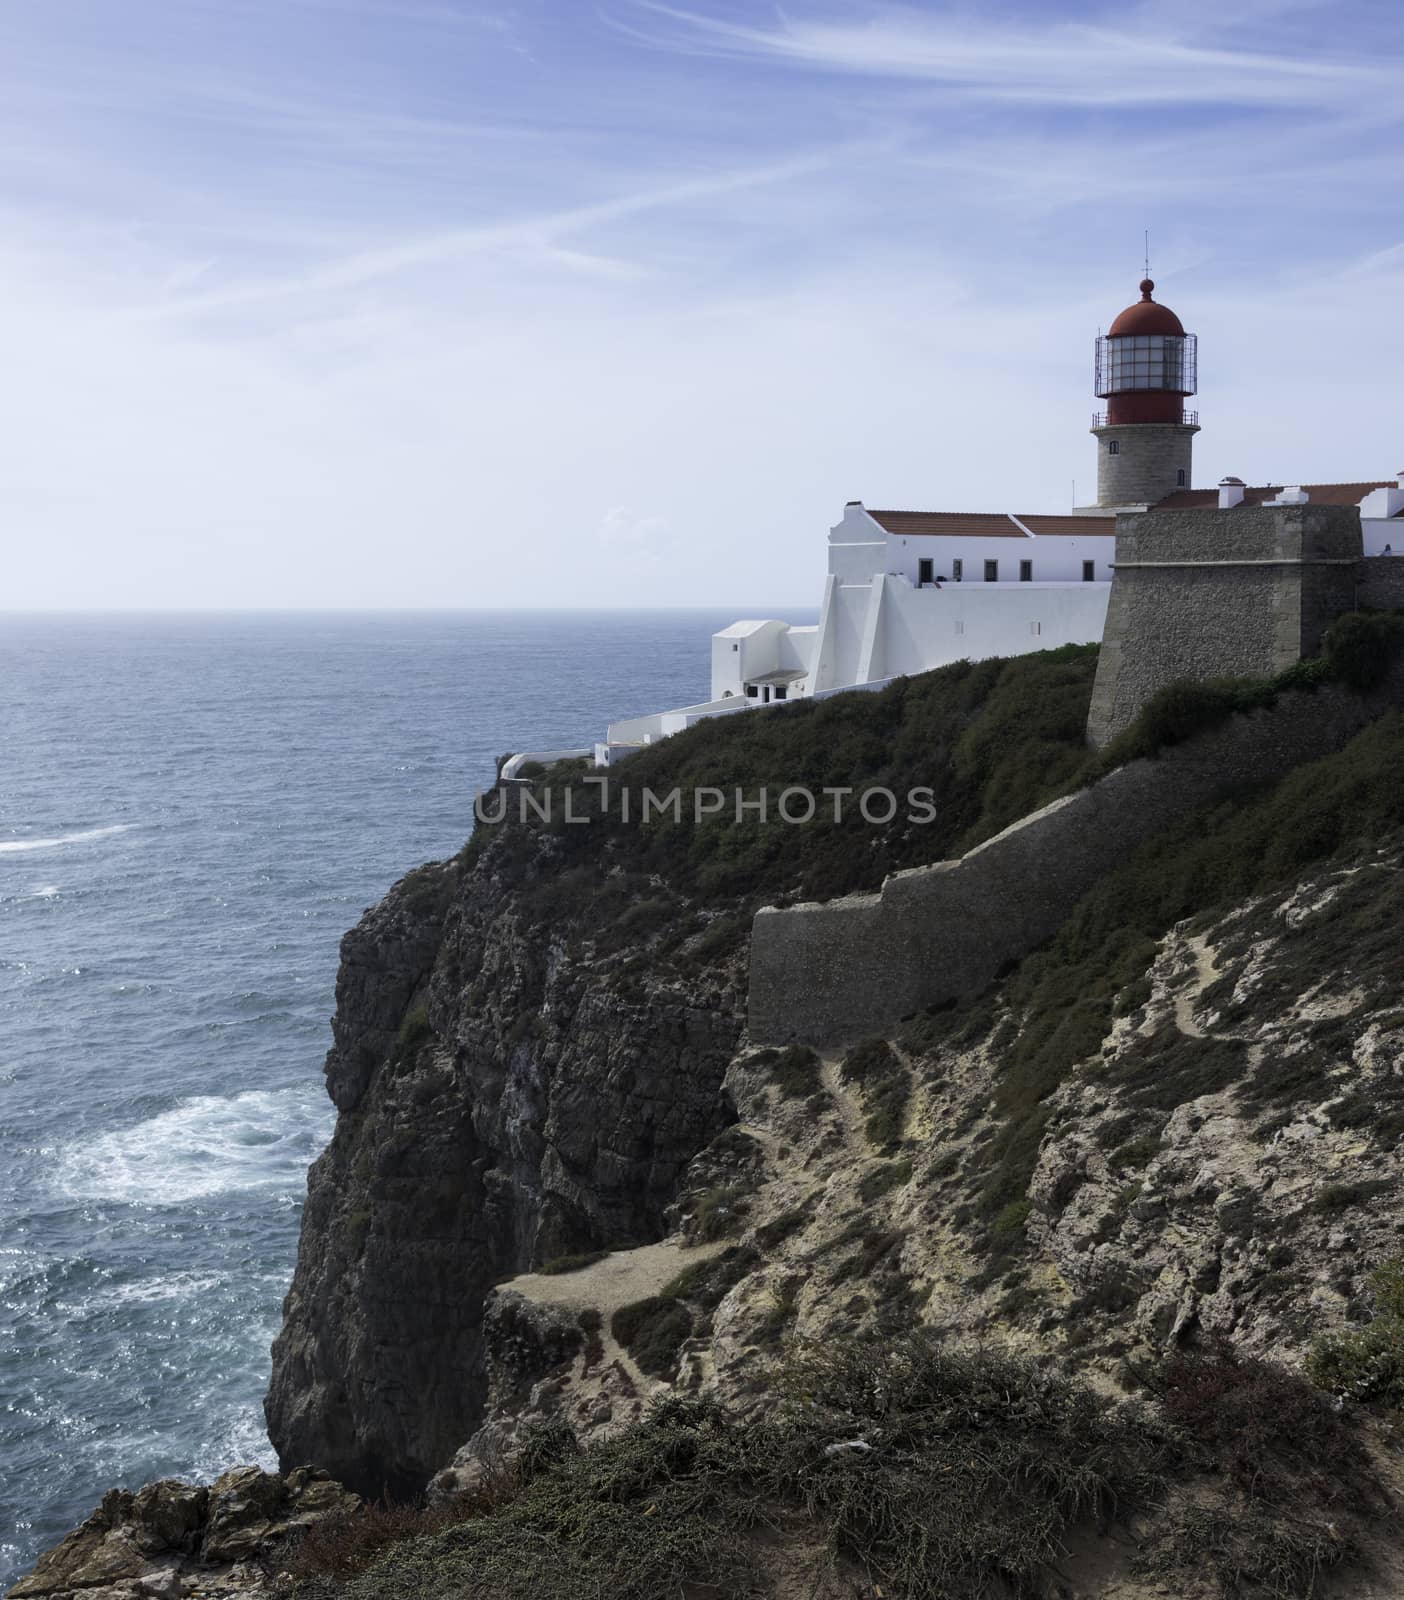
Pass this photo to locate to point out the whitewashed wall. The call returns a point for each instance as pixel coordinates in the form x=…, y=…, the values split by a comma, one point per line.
x=1378, y=532
x=924, y=628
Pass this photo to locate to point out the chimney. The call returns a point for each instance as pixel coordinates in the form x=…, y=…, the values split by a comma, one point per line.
x=1230, y=493
x=1292, y=495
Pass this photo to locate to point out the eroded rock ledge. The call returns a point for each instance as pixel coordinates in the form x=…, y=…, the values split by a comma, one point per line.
x=171, y=1540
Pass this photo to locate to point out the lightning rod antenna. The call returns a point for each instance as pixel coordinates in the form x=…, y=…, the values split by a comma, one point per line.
x=1148, y=252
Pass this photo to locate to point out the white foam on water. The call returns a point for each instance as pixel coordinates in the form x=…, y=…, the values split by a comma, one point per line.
x=18, y=846
x=176, y=1286
x=45, y=891
x=207, y=1145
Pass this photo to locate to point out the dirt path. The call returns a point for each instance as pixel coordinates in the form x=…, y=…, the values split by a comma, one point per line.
x=844, y=1099
x=1205, y=973
x=623, y=1277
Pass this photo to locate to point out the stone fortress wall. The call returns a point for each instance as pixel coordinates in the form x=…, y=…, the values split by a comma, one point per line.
x=1219, y=594
x=834, y=972
x=1195, y=596
x=1381, y=584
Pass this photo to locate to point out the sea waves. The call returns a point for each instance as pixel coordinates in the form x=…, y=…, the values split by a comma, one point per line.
x=206, y=1145
x=23, y=846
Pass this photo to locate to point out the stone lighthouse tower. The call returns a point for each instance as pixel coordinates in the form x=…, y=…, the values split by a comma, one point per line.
x=1146, y=366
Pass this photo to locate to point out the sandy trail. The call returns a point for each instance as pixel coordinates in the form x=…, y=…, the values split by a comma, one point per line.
x=623, y=1277
x=1205, y=973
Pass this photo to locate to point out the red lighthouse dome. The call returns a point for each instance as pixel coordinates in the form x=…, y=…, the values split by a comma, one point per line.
x=1146, y=316
x=1146, y=363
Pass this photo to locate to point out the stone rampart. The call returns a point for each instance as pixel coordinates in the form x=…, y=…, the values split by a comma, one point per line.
x=834, y=972
x=1382, y=581
x=1219, y=594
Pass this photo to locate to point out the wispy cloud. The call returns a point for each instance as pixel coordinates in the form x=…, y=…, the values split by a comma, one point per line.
x=347, y=301
x=540, y=237
x=1132, y=62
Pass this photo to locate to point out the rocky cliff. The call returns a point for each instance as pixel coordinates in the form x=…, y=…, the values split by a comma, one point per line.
x=641, y=1302
x=509, y=1092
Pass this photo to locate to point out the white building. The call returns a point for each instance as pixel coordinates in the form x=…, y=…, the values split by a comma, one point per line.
x=907, y=591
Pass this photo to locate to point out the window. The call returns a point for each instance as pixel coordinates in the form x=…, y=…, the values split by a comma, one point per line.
x=992, y=572
x=1035, y=627
x=781, y=692
x=958, y=569
x=925, y=571
x=1026, y=572
x=735, y=648
x=1089, y=571
x=1113, y=447
x=1147, y=361
x=752, y=691
x=1180, y=477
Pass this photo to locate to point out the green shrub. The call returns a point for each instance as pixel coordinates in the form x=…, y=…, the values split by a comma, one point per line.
x=707, y=1283
x=1362, y=647
x=721, y=1212
x=414, y=1030
x=1136, y=1153
x=778, y=1315
x=1295, y=1477
x=879, y=1181
x=877, y=1244
x=644, y=917
x=653, y=1331
x=885, y=1085
x=573, y=1263
x=1007, y=1229
x=771, y=1235
x=1216, y=858
x=1336, y=1197
x=795, y=1072
x=427, y=891
x=1179, y=712
x=1170, y=1067
x=991, y=740
x=1368, y=1365
x=970, y=1472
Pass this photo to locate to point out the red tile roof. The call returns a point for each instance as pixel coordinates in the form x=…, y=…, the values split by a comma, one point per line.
x=988, y=525
x=1321, y=494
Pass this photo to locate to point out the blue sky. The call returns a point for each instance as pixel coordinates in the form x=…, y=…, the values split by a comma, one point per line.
x=452, y=302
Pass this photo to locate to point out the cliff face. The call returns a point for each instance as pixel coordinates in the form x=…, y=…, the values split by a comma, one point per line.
x=509, y=1091
x=564, y=1187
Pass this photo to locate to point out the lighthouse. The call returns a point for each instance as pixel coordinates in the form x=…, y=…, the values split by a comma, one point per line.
x=1146, y=366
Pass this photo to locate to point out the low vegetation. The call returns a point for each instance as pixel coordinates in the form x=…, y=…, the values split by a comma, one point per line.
x=1069, y=993
x=937, y=1474
x=885, y=1086
x=990, y=740
x=653, y=1331
x=1294, y=1483
x=925, y=1473
x=1368, y=1364
x=795, y=1072
x=573, y=1263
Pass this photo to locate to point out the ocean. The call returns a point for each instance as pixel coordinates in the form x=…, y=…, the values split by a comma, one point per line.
x=193, y=809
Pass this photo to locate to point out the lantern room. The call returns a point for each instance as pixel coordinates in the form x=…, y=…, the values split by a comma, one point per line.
x=1146, y=364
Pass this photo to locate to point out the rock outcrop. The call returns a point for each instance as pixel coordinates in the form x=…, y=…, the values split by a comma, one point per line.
x=171, y=1539
x=511, y=1089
